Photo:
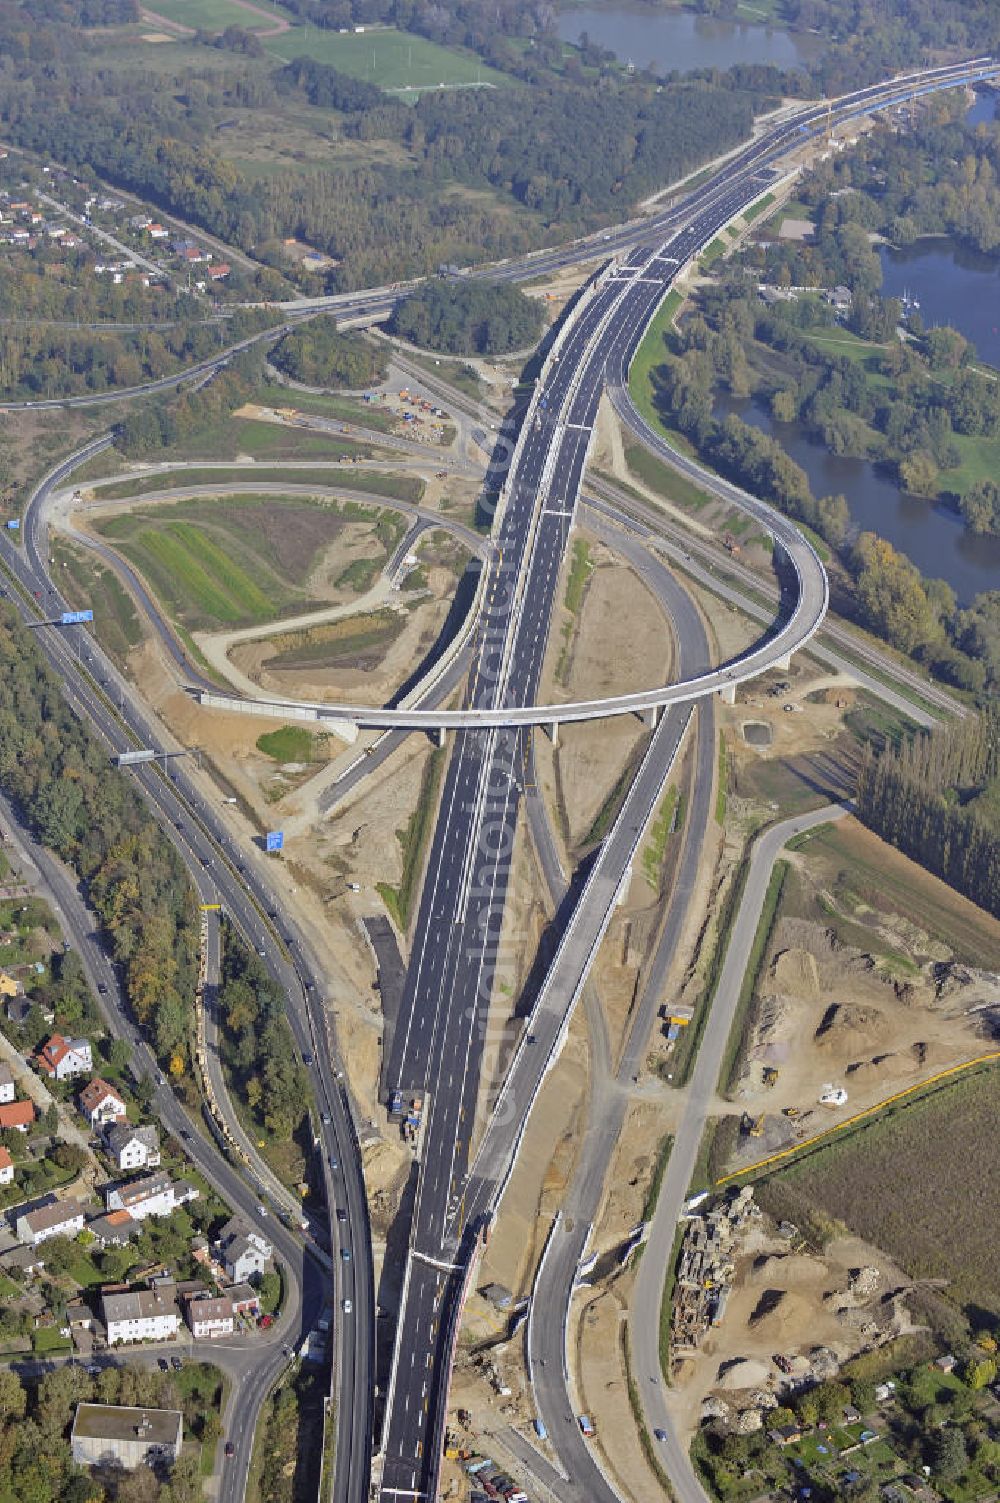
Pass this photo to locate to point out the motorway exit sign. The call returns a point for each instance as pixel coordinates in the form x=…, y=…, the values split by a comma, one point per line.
x=274, y=840
x=75, y=618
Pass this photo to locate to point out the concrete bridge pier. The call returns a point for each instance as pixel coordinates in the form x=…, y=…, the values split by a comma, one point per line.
x=552, y=731
x=728, y=692
x=439, y=735
x=650, y=718
x=784, y=663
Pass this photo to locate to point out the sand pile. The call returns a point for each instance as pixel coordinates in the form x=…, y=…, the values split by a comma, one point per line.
x=795, y=972
x=860, y=1027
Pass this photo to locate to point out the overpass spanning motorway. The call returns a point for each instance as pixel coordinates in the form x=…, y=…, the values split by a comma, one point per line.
x=438, y=1043
x=437, y=1048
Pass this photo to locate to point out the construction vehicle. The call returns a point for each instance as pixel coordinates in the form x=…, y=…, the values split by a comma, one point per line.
x=757, y=1126
x=412, y=1123
x=396, y=1104
x=790, y=1111
x=770, y=1076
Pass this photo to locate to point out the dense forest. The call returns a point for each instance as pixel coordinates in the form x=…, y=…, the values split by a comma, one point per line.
x=469, y=318
x=937, y=798
x=56, y=770
x=525, y=164
x=318, y=355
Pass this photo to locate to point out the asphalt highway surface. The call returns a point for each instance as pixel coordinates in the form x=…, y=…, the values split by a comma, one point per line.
x=438, y=1043
x=239, y=881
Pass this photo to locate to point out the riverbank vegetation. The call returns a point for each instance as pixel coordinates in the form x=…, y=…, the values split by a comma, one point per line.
x=860, y=376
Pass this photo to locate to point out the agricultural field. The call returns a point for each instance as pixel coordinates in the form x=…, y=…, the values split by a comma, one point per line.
x=243, y=560
x=921, y=1182
x=392, y=60
x=216, y=15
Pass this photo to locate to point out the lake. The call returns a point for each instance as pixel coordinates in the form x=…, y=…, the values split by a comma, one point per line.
x=953, y=285
x=678, y=39
x=935, y=538
x=984, y=110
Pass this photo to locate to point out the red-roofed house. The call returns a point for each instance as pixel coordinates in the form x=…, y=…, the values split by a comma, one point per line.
x=19, y=1114
x=6, y=1167
x=101, y=1103
x=220, y=270
x=64, y=1058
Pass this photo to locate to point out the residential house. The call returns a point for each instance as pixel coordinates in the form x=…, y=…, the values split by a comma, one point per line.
x=242, y=1251
x=62, y=1058
x=101, y=1103
x=61, y=1218
x=132, y=1147
x=209, y=1318
x=17, y=1114
x=115, y=1229
x=6, y=1167
x=244, y=1299
x=219, y=271
x=10, y=986
x=785, y=1435
x=17, y=1008
x=153, y=1195
x=109, y=1435
x=157, y=232
x=140, y=1315
x=7, y=1088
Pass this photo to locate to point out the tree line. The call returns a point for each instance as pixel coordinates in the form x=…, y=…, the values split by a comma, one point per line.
x=935, y=799
x=319, y=355
x=468, y=318
x=57, y=772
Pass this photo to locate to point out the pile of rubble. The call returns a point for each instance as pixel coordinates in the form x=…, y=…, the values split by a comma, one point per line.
x=706, y=1268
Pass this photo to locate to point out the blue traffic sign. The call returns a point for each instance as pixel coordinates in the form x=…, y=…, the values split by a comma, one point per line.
x=274, y=840
x=75, y=618
x=13, y=525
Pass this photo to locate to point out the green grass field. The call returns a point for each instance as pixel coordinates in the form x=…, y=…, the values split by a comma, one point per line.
x=293, y=743
x=391, y=59
x=189, y=569
x=211, y=15
x=649, y=355
x=86, y=582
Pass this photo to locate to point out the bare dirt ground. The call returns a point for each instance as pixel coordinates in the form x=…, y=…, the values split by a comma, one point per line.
x=372, y=674
x=619, y=641
x=814, y=1311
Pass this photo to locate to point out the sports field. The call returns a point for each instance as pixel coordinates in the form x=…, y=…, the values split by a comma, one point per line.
x=393, y=60
x=214, y=15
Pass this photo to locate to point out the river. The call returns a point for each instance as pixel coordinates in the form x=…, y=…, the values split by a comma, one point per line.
x=670, y=39
x=934, y=537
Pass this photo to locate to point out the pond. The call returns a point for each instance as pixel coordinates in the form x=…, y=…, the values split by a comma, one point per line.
x=984, y=110
x=665, y=40
x=953, y=285
x=934, y=537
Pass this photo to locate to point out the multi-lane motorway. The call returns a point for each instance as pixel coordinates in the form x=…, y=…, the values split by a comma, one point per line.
x=438, y=1041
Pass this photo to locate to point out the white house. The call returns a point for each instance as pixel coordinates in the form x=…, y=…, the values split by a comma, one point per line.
x=63, y=1058
x=210, y=1317
x=140, y=1315
x=153, y=1195
x=242, y=1251
x=62, y=1218
x=132, y=1147
x=109, y=1436
x=6, y=1167
x=100, y=1103
x=7, y=1087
